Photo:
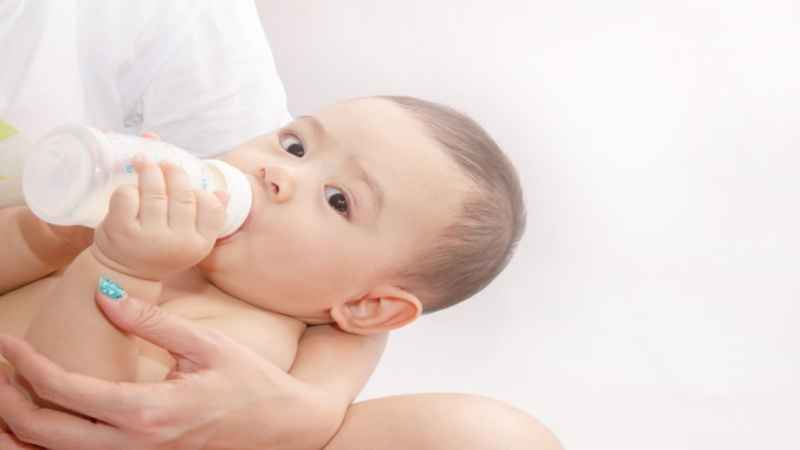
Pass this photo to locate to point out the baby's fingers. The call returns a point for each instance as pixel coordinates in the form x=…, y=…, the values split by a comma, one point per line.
x=182, y=203
x=152, y=194
x=123, y=208
x=210, y=214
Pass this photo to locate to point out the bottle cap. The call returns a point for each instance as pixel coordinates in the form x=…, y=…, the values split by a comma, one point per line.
x=240, y=196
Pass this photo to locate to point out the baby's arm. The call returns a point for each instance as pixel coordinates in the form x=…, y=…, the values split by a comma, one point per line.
x=31, y=249
x=337, y=362
x=148, y=234
x=337, y=365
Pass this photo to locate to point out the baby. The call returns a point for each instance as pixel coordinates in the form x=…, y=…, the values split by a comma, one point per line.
x=366, y=215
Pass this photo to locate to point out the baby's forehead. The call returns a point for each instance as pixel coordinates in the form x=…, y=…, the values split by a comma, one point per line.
x=379, y=131
x=385, y=138
x=371, y=116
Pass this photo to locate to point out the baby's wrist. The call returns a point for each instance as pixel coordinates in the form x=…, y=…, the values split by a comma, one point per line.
x=114, y=264
x=142, y=287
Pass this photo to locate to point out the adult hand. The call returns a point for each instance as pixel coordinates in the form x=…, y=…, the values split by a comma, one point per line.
x=220, y=395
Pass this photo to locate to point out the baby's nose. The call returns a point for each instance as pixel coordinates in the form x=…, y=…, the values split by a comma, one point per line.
x=279, y=182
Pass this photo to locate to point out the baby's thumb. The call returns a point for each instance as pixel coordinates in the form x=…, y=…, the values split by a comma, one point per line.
x=151, y=323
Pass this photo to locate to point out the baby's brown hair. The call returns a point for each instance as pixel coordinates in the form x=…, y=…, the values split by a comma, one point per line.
x=479, y=243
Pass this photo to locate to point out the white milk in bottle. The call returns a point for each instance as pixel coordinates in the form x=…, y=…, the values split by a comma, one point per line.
x=69, y=177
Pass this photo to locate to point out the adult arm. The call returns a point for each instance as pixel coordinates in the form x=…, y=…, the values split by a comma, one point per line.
x=202, y=76
x=263, y=406
x=31, y=249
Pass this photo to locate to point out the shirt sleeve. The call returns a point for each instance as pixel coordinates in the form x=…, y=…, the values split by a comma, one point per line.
x=204, y=78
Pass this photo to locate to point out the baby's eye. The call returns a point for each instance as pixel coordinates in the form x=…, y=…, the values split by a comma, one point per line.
x=292, y=145
x=337, y=200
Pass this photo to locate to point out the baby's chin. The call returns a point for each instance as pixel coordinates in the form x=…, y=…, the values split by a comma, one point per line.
x=218, y=259
x=222, y=271
x=226, y=263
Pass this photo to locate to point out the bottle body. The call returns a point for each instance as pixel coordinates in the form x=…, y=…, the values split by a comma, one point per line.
x=69, y=177
x=14, y=146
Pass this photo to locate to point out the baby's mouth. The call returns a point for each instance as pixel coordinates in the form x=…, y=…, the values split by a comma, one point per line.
x=229, y=237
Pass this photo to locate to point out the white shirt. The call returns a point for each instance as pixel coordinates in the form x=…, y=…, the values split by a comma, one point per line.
x=199, y=73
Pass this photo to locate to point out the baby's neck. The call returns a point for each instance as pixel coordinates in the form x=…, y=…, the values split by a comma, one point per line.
x=191, y=282
x=185, y=282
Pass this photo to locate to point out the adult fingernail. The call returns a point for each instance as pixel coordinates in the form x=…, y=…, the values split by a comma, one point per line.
x=108, y=288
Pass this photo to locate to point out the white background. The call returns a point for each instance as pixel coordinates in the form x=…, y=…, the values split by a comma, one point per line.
x=653, y=301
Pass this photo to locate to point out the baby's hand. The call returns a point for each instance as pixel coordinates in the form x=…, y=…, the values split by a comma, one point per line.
x=160, y=227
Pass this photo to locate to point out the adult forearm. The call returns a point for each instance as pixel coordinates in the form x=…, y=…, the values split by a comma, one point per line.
x=74, y=333
x=29, y=249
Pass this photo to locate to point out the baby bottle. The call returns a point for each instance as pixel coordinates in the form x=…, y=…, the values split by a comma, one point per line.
x=13, y=148
x=69, y=177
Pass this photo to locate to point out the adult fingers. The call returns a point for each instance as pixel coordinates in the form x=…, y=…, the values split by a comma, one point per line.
x=152, y=193
x=5, y=372
x=34, y=426
x=117, y=404
x=184, y=340
x=9, y=442
x=3, y=380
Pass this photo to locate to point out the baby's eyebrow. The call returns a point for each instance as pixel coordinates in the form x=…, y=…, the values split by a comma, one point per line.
x=316, y=125
x=374, y=186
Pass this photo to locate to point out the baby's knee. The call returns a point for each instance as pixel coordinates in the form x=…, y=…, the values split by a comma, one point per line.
x=496, y=424
x=440, y=422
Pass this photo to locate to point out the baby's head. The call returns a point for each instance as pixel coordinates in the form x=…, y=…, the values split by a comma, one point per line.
x=370, y=213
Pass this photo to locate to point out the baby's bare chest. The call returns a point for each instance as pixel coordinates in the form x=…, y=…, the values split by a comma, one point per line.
x=273, y=336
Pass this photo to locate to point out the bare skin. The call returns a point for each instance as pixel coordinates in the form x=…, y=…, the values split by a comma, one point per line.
x=296, y=220
x=438, y=422
x=423, y=421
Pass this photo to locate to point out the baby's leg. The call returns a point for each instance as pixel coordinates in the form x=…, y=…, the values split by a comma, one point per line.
x=440, y=422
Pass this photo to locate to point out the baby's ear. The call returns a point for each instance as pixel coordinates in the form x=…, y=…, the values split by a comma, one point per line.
x=383, y=309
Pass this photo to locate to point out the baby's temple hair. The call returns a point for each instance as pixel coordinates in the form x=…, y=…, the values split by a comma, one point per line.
x=480, y=241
